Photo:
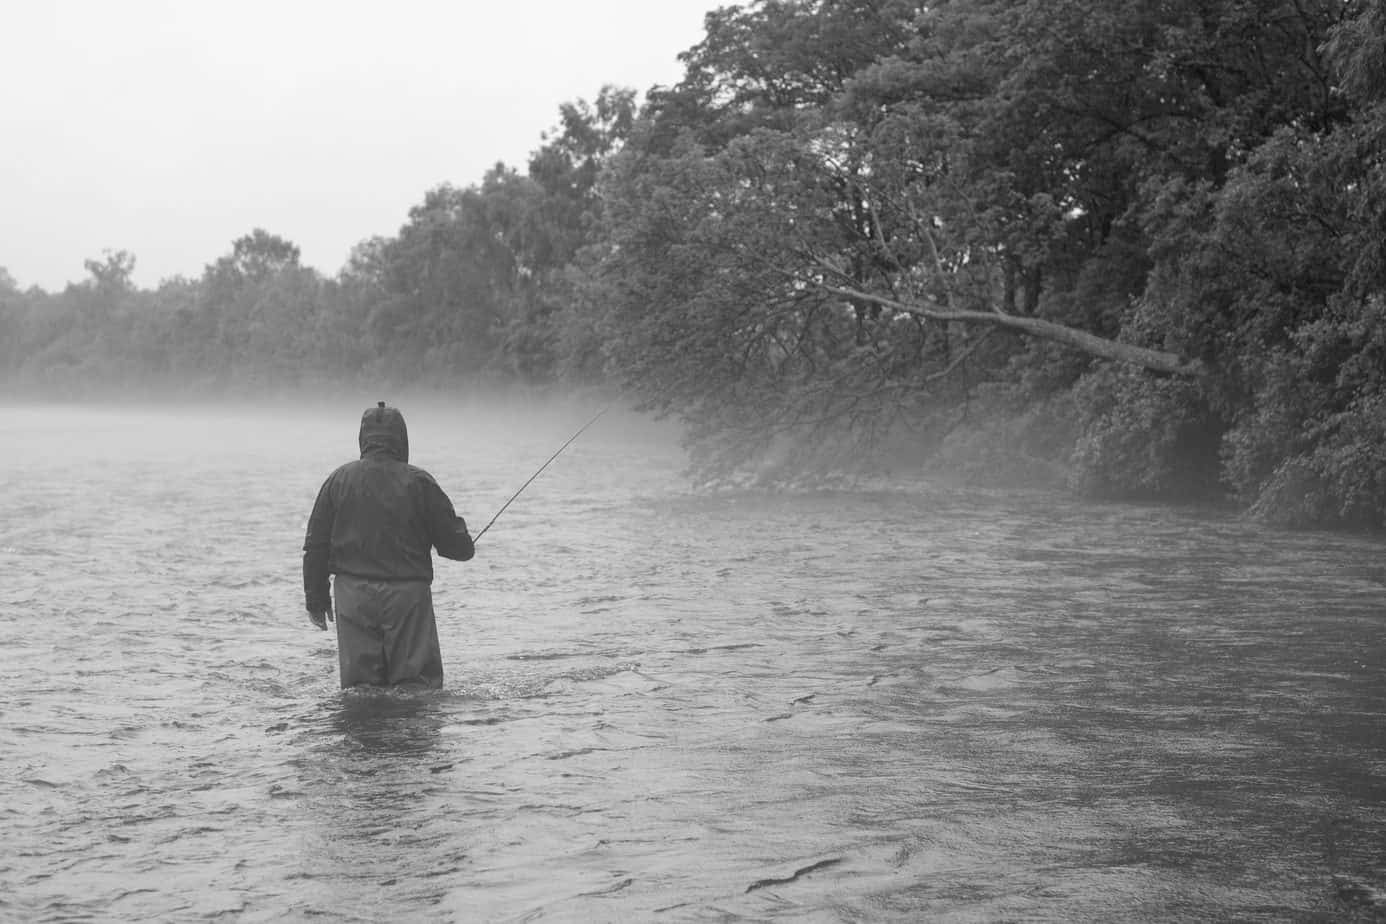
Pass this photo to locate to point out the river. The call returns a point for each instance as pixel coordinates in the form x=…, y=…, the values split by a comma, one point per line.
x=903, y=704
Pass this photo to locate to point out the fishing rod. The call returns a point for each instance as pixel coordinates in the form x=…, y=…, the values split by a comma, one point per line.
x=538, y=473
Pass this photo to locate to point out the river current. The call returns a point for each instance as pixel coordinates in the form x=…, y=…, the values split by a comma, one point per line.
x=900, y=704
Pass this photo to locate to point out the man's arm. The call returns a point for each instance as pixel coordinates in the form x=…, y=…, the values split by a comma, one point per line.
x=317, y=546
x=447, y=531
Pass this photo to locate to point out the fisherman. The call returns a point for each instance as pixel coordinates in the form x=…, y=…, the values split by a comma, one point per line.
x=374, y=526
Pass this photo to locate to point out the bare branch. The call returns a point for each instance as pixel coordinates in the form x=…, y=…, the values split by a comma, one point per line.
x=1101, y=347
x=960, y=359
x=943, y=277
x=1093, y=345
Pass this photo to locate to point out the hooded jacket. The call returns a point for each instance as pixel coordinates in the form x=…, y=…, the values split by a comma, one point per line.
x=379, y=517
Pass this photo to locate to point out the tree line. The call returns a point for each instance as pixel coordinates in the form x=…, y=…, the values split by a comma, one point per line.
x=1140, y=244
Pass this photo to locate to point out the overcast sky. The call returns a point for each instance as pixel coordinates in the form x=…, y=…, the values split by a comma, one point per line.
x=169, y=128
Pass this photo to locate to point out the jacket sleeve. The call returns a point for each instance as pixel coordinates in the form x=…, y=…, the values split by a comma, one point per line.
x=317, y=547
x=447, y=531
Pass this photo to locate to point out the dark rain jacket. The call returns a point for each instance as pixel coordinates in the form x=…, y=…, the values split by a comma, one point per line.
x=379, y=517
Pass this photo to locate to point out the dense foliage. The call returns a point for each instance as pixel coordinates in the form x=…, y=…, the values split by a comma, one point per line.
x=1141, y=244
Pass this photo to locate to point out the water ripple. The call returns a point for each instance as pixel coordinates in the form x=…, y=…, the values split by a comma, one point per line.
x=873, y=705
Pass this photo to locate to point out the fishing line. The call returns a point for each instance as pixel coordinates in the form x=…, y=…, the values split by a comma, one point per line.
x=538, y=473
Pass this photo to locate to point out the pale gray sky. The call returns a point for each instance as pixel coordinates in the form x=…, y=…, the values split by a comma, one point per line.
x=169, y=128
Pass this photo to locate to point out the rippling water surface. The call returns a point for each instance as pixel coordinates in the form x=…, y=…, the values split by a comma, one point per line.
x=849, y=706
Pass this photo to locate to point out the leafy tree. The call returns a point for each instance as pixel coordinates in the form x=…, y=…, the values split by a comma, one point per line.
x=111, y=275
x=763, y=63
x=439, y=310
x=479, y=280
x=824, y=239
x=566, y=168
x=812, y=235
x=12, y=316
x=254, y=257
x=254, y=312
x=1281, y=274
x=550, y=333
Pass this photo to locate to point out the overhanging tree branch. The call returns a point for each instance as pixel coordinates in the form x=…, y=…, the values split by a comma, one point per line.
x=1093, y=345
x=1129, y=353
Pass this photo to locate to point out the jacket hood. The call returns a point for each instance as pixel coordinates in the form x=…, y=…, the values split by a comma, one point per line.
x=383, y=430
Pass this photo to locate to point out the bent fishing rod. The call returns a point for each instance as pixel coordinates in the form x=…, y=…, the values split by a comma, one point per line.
x=538, y=473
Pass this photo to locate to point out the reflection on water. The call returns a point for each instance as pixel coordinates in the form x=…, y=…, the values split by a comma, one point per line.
x=385, y=723
x=378, y=835
x=869, y=705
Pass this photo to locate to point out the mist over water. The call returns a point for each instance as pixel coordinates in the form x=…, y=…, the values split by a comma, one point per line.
x=661, y=705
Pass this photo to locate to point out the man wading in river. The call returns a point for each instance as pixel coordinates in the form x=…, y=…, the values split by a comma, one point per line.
x=374, y=526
